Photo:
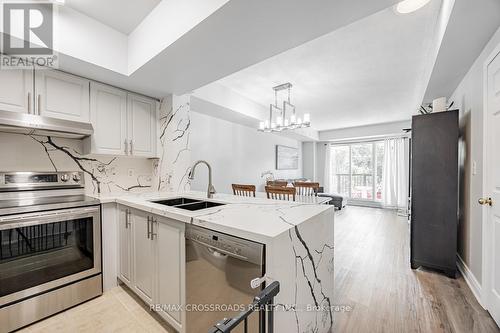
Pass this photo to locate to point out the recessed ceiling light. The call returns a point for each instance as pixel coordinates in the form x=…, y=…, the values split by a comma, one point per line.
x=409, y=6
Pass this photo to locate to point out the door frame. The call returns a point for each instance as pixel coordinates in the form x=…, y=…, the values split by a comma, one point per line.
x=486, y=248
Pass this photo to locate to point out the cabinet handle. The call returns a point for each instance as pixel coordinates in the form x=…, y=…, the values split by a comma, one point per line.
x=126, y=147
x=131, y=147
x=149, y=219
x=39, y=103
x=127, y=218
x=153, y=223
x=29, y=103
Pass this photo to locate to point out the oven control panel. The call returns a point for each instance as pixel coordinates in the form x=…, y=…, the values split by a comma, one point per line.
x=16, y=181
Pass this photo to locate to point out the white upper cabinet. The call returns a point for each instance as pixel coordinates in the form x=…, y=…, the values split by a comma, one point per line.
x=108, y=116
x=16, y=90
x=61, y=95
x=142, y=126
x=124, y=123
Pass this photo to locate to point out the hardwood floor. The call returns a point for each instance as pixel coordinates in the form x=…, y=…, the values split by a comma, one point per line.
x=373, y=277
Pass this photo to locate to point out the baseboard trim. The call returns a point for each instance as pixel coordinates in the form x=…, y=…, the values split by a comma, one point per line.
x=471, y=280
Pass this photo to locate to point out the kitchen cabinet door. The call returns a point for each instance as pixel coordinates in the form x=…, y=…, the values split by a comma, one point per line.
x=143, y=256
x=16, y=90
x=61, y=95
x=125, y=246
x=142, y=125
x=108, y=115
x=170, y=262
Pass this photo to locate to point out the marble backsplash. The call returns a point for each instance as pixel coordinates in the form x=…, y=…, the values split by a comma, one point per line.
x=171, y=171
x=103, y=174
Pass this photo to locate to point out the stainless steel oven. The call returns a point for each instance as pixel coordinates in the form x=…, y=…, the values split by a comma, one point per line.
x=50, y=249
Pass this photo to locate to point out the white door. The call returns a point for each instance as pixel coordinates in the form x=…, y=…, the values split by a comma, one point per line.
x=125, y=246
x=16, y=90
x=142, y=125
x=492, y=188
x=108, y=115
x=170, y=267
x=61, y=95
x=143, y=256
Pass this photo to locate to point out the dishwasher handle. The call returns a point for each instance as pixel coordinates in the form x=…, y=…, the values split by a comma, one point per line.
x=212, y=250
x=216, y=253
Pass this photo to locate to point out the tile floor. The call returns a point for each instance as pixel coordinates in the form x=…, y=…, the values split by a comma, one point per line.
x=117, y=310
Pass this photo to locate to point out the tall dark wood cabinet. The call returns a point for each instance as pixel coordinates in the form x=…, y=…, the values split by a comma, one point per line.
x=434, y=191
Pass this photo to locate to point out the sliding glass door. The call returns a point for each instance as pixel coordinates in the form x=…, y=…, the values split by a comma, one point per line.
x=356, y=170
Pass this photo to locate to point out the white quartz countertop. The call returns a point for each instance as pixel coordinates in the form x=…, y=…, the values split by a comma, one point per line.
x=258, y=219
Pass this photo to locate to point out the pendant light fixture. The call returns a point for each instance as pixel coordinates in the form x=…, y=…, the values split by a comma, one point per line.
x=278, y=116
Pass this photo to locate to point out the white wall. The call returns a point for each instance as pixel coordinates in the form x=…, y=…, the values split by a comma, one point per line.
x=237, y=153
x=309, y=160
x=468, y=98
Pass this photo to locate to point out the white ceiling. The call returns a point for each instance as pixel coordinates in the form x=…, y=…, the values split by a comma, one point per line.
x=471, y=26
x=364, y=73
x=121, y=15
x=210, y=51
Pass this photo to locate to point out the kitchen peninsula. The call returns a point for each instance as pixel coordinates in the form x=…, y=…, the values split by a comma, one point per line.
x=145, y=241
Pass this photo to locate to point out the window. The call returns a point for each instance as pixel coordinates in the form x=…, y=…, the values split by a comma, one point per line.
x=356, y=170
x=362, y=171
x=379, y=167
x=340, y=170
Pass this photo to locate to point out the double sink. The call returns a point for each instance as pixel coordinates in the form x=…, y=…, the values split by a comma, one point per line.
x=187, y=203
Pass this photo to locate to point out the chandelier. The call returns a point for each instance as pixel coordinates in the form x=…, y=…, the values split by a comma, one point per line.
x=282, y=122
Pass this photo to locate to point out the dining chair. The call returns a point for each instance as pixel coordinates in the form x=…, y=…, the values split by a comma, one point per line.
x=306, y=188
x=280, y=193
x=244, y=190
x=282, y=183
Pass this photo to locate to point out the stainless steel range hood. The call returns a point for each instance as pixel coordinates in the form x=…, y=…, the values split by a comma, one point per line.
x=22, y=123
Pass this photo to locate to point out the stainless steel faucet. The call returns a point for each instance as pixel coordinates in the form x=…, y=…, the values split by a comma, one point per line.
x=211, y=189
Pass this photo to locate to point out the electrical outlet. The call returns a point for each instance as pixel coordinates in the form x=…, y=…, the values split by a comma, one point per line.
x=131, y=172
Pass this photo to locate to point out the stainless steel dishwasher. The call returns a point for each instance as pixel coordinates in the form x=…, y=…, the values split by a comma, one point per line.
x=219, y=269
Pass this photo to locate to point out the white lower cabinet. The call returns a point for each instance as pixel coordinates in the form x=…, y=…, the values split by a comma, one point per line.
x=143, y=255
x=125, y=246
x=170, y=270
x=152, y=261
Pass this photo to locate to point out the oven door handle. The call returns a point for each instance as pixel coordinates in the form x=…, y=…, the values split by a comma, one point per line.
x=13, y=221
